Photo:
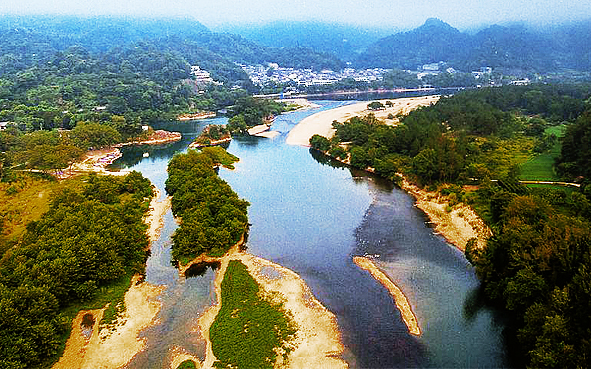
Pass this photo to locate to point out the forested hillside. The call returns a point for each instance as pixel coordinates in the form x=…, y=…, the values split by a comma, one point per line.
x=511, y=48
x=58, y=71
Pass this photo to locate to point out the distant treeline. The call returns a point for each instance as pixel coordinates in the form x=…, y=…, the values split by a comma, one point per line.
x=213, y=217
x=92, y=238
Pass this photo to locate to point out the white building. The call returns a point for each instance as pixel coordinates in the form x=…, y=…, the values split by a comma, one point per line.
x=201, y=76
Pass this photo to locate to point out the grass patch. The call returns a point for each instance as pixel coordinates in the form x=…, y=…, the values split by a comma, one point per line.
x=252, y=328
x=541, y=167
x=187, y=364
x=567, y=190
x=21, y=202
x=558, y=131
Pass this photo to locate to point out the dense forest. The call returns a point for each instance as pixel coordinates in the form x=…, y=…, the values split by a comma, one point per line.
x=90, y=242
x=213, y=217
x=537, y=263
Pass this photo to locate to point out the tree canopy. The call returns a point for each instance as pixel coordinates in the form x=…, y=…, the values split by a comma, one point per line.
x=213, y=217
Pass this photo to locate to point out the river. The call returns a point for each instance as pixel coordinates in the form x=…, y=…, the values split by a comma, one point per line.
x=313, y=216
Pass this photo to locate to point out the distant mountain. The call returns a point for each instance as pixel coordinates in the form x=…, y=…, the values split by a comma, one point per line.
x=512, y=48
x=33, y=40
x=100, y=33
x=344, y=41
x=433, y=41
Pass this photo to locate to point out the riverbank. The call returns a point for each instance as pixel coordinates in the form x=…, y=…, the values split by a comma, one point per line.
x=113, y=346
x=458, y=224
x=196, y=116
x=321, y=123
x=97, y=161
x=157, y=137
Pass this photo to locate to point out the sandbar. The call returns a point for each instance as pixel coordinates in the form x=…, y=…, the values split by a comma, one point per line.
x=321, y=123
x=317, y=343
x=404, y=307
x=302, y=103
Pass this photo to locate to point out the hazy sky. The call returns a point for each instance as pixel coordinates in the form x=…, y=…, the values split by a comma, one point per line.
x=387, y=13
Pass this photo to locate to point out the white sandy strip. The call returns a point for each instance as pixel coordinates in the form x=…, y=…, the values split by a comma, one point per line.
x=155, y=218
x=399, y=298
x=321, y=123
x=268, y=134
x=301, y=102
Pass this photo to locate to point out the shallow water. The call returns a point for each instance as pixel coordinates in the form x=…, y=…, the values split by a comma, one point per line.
x=313, y=217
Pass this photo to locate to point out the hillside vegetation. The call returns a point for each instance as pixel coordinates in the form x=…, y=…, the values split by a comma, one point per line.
x=508, y=48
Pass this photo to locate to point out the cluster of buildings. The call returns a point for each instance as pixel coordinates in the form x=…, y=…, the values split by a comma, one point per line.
x=202, y=77
x=272, y=73
x=440, y=67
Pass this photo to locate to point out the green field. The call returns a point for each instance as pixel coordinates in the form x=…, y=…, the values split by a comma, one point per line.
x=541, y=166
x=23, y=201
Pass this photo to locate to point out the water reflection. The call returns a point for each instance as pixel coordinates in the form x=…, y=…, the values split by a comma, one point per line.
x=199, y=269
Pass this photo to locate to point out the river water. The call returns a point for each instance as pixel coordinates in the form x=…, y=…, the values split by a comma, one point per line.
x=312, y=216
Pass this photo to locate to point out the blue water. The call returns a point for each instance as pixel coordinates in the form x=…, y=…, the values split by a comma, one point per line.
x=313, y=217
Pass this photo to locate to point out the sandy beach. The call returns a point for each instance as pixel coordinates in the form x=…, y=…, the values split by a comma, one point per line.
x=110, y=349
x=321, y=123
